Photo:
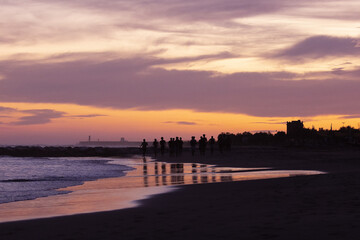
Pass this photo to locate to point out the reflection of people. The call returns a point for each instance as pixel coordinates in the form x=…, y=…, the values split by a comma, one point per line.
x=155, y=146
x=193, y=169
x=143, y=147
x=156, y=174
x=162, y=146
x=193, y=145
x=156, y=169
x=145, y=173
x=204, y=179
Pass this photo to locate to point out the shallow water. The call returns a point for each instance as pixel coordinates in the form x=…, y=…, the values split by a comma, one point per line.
x=149, y=173
x=31, y=178
x=144, y=177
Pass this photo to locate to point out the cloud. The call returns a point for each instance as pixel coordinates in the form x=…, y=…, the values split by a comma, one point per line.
x=88, y=116
x=196, y=10
x=181, y=123
x=275, y=123
x=33, y=21
x=135, y=84
x=263, y=131
x=214, y=10
x=350, y=116
x=7, y=109
x=320, y=47
x=38, y=116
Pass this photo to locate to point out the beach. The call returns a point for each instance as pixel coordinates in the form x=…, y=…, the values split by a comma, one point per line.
x=313, y=207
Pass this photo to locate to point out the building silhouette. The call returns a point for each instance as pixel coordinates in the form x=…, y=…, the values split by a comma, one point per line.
x=295, y=129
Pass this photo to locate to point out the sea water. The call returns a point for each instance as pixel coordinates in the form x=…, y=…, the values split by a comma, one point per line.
x=30, y=178
x=65, y=186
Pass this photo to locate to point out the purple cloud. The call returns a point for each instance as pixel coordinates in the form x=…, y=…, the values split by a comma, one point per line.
x=159, y=16
x=350, y=116
x=41, y=116
x=88, y=116
x=38, y=116
x=272, y=123
x=210, y=10
x=181, y=123
x=136, y=84
x=196, y=10
x=320, y=47
x=7, y=109
x=263, y=131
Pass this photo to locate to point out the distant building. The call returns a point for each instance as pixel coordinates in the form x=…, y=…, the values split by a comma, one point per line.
x=295, y=129
x=122, y=143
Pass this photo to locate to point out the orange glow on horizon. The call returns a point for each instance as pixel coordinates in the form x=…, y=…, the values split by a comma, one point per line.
x=112, y=124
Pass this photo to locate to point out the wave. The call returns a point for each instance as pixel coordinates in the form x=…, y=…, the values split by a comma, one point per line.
x=30, y=178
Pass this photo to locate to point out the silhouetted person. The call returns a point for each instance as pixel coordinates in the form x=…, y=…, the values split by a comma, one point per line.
x=193, y=145
x=202, y=144
x=180, y=146
x=228, y=143
x=221, y=143
x=205, y=139
x=177, y=146
x=212, y=143
x=172, y=146
x=143, y=147
x=162, y=146
x=155, y=146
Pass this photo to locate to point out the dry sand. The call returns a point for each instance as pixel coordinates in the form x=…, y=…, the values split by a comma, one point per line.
x=302, y=207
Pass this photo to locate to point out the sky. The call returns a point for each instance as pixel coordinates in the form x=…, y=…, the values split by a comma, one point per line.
x=144, y=68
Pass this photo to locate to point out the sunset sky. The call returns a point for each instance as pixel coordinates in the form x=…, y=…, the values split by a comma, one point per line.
x=150, y=68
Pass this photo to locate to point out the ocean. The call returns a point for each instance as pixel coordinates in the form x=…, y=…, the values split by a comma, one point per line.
x=31, y=178
x=33, y=188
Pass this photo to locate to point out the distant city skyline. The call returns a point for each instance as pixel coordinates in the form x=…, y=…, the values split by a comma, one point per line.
x=136, y=69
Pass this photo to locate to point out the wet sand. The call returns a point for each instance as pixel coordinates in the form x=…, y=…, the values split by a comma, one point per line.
x=148, y=177
x=313, y=207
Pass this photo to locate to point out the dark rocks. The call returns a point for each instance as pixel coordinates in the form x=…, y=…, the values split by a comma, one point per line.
x=57, y=151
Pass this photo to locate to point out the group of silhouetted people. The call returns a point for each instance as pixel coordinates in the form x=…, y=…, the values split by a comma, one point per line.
x=175, y=145
x=224, y=143
x=203, y=142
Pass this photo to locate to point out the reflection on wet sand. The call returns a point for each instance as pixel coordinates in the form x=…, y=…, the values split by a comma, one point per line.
x=146, y=179
x=176, y=174
x=149, y=173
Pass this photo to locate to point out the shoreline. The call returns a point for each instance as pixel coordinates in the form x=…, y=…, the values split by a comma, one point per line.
x=146, y=178
x=324, y=205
